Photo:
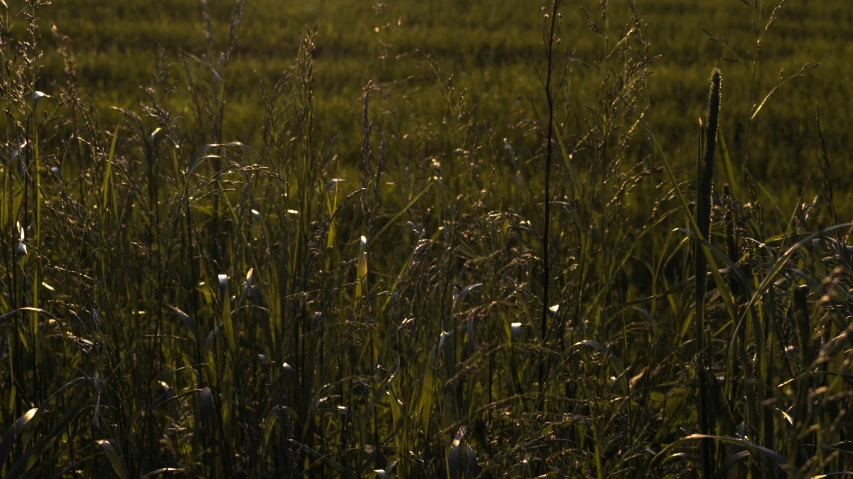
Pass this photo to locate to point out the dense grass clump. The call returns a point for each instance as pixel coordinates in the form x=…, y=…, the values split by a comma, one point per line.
x=460, y=294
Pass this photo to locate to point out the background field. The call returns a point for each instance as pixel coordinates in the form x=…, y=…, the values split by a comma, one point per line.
x=232, y=247
x=486, y=46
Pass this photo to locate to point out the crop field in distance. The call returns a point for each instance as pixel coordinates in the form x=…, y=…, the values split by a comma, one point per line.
x=438, y=239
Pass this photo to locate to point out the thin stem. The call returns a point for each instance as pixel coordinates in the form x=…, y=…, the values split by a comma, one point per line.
x=546, y=261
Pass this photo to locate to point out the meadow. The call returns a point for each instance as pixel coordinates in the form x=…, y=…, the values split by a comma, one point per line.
x=426, y=239
x=487, y=49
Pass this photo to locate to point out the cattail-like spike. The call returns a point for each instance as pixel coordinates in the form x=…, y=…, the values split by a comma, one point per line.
x=705, y=175
x=706, y=172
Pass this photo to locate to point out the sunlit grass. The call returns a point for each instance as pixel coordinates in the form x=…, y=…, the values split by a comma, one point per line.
x=347, y=265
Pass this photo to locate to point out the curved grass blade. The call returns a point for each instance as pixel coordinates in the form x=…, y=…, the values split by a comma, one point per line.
x=780, y=263
x=403, y=211
x=22, y=428
x=754, y=449
x=112, y=455
x=162, y=470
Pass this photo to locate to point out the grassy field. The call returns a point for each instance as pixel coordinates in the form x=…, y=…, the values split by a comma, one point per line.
x=426, y=239
x=487, y=47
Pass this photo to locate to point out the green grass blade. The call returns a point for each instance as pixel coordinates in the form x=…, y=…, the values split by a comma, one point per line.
x=112, y=455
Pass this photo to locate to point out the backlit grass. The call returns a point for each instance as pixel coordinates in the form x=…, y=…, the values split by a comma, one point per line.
x=343, y=252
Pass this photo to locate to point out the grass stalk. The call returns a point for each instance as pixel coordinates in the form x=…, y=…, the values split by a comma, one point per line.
x=704, y=184
x=551, y=40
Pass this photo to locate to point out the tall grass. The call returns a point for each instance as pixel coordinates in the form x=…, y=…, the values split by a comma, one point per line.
x=459, y=304
x=704, y=183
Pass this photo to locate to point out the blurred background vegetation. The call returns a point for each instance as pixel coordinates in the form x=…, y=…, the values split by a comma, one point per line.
x=486, y=46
